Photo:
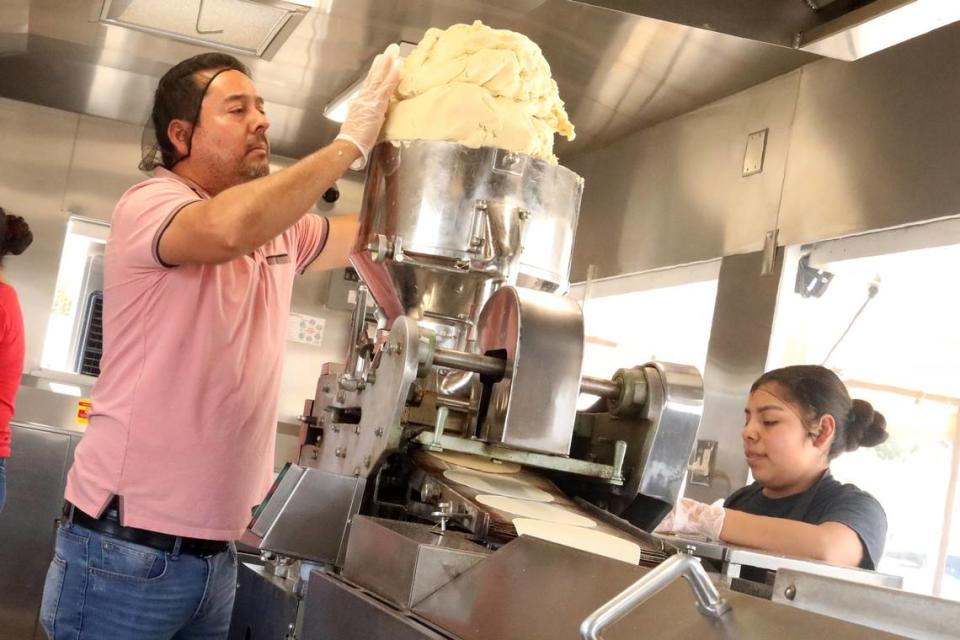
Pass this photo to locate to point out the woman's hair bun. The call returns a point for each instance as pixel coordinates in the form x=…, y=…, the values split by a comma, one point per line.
x=18, y=236
x=865, y=426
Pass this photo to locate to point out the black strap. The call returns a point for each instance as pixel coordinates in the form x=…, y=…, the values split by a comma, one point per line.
x=108, y=524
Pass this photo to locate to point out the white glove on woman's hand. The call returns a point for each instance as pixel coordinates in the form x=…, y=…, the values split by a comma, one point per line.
x=690, y=516
x=367, y=110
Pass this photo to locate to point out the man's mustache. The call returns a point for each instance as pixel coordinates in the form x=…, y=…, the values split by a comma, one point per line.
x=261, y=142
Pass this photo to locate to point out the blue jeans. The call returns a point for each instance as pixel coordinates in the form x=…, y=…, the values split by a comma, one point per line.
x=102, y=588
x=3, y=483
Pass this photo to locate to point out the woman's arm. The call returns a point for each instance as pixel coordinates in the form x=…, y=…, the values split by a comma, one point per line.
x=830, y=542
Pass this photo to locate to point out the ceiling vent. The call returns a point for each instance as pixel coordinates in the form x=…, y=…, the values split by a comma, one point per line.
x=250, y=27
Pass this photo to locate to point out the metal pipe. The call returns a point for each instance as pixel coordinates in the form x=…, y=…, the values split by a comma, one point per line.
x=495, y=368
x=600, y=387
x=707, y=597
x=456, y=404
x=484, y=365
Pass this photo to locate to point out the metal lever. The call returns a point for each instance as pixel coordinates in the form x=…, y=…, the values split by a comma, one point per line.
x=708, y=598
x=442, y=413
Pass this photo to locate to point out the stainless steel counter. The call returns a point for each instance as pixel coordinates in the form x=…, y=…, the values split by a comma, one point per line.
x=36, y=476
x=44, y=435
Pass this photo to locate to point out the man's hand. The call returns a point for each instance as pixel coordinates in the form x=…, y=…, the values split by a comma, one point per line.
x=368, y=109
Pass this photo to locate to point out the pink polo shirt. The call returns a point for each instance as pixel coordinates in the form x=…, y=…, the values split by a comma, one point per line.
x=185, y=410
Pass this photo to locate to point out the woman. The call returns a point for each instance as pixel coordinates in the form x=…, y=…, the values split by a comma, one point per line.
x=798, y=419
x=15, y=237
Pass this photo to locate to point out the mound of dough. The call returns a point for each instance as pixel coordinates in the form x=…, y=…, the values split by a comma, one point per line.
x=479, y=87
x=497, y=484
x=536, y=510
x=477, y=463
x=602, y=544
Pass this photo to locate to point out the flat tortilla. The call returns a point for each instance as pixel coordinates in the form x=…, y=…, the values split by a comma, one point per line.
x=477, y=463
x=536, y=510
x=602, y=544
x=497, y=484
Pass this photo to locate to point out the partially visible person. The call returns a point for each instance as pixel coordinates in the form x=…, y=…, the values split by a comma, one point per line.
x=798, y=419
x=15, y=237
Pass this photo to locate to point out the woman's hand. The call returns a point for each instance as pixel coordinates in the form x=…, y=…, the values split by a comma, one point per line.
x=690, y=516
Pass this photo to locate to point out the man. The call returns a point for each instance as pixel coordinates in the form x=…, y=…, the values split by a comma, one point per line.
x=198, y=275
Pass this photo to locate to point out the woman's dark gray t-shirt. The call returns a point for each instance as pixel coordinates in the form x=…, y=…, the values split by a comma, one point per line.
x=826, y=501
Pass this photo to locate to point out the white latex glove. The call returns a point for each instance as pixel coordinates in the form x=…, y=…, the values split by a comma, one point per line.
x=367, y=110
x=690, y=516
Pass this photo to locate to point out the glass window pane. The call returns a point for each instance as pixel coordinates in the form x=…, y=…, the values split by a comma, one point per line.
x=654, y=316
x=892, y=337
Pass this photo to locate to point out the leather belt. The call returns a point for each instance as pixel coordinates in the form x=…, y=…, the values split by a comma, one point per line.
x=109, y=525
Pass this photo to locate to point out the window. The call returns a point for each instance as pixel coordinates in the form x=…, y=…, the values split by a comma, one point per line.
x=887, y=326
x=73, y=333
x=661, y=315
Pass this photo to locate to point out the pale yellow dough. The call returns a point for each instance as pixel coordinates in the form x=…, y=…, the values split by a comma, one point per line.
x=602, y=544
x=478, y=86
x=536, y=510
x=477, y=463
x=497, y=484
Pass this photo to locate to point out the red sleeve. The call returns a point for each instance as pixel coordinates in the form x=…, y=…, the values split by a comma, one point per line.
x=11, y=361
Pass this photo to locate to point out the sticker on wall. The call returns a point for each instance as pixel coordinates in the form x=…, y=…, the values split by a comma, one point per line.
x=83, y=411
x=305, y=329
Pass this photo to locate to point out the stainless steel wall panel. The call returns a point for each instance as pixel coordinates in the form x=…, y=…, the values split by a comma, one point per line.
x=736, y=356
x=14, y=16
x=674, y=193
x=875, y=143
x=103, y=166
x=34, y=165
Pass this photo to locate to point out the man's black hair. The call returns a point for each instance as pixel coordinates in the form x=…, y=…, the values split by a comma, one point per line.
x=180, y=93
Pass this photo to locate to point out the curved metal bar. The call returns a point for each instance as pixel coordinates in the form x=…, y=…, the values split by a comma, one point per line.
x=708, y=598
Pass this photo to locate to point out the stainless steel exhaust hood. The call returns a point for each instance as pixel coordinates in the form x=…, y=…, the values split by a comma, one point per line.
x=622, y=65
x=843, y=29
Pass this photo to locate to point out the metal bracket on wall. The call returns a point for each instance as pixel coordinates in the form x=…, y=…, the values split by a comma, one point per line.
x=754, y=153
x=769, y=252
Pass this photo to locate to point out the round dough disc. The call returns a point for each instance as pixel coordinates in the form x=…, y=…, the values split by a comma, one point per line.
x=497, y=484
x=597, y=542
x=477, y=463
x=536, y=510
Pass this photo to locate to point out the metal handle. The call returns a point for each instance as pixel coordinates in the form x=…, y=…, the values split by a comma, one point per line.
x=708, y=598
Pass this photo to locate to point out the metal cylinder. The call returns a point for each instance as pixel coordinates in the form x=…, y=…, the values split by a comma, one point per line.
x=599, y=387
x=357, y=327
x=442, y=225
x=456, y=404
x=484, y=365
x=494, y=368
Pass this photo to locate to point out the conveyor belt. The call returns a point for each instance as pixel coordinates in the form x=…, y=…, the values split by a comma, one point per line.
x=501, y=529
